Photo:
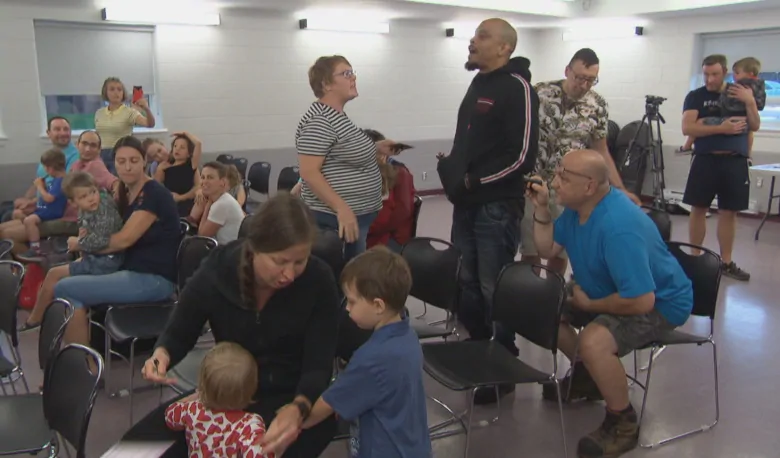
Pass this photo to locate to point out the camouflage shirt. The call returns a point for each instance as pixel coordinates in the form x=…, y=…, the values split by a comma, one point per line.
x=566, y=125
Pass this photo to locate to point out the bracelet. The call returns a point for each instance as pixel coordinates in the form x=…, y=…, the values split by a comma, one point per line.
x=542, y=222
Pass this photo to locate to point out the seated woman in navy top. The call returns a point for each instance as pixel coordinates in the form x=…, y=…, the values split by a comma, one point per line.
x=180, y=173
x=149, y=239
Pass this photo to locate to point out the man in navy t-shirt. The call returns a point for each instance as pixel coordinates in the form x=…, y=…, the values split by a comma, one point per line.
x=381, y=391
x=624, y=275
x=720, y=159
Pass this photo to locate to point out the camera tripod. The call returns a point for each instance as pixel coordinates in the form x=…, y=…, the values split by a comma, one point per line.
x=637, y=154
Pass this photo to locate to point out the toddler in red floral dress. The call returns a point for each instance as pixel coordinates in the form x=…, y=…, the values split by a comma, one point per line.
x=213, y=418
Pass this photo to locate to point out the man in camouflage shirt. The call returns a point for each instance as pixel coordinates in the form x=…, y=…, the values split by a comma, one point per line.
x=571, y=117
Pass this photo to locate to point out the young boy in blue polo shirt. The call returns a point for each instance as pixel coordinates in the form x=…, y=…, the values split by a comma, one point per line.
x=381, y=391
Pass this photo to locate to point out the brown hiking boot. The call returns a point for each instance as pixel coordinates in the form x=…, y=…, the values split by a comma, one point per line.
x=576, y=387
x=618, y=434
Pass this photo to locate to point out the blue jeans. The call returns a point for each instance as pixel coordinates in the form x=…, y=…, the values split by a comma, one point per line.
x=107, y=155
x=329, y=221
x=122, y=287
x=487, y=236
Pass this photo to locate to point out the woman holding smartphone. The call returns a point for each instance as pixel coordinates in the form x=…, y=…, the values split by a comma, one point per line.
x=117, y=120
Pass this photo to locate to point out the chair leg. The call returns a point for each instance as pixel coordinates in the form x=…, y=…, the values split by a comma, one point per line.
x=468, y=423
x=107, y=364
x=560, y=412
x=657, y=354
x=132, y=377
x=644, y=397
x=454, y=418
x=438, y=322
x=425, y=310
x=702, y=429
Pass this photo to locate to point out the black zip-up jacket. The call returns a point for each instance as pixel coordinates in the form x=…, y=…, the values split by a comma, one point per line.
x=293, y=338
x=496, y=140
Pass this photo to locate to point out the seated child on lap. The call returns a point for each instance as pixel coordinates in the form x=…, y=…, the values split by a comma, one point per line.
x=381, y=390
x=213, y=418
x=51, y=200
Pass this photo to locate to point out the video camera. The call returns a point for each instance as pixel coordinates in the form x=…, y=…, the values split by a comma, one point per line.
x=652, y=104
x=654, y=99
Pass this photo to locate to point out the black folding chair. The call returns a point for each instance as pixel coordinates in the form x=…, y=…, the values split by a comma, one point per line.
x=435, y=268
x=225, y=159
x=530, y=306
x=288, y=178
x=64, y=410
x=11, y=278
x=330, y=248
x=259, y=179
x=704, y=271
x=416, y=215
x=55, y=319
x=130, y=323
x=243, y=229
x=5, y=249
x=662, y=221
x=241, y=164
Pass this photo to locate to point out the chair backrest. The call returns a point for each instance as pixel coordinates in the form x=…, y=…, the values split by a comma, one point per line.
x=192, y=251
x=243, y=229
x=528, y=304
x=55, y=318
x=435, y=267
x=288, y=177
x=662, y=221
x=330, y=248
x=185, y=227
x=11, y=277
x=259, y=177
x=69, y=393
x=704, y=271
x=5, y=249
x=225, y=158
x=241, y=164
x=416, y=214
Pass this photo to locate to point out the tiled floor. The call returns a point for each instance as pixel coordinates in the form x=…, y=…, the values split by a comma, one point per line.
x=682, y=387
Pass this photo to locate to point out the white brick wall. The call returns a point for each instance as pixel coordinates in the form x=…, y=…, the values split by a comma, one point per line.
x=243, y=85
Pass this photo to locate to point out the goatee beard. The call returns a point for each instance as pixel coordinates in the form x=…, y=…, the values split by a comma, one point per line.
x=471, y=66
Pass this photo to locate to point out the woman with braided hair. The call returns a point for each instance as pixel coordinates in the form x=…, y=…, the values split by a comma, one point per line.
x=269, y=295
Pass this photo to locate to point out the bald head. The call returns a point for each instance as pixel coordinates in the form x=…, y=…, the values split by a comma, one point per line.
x=588, y=162
x=503, y=30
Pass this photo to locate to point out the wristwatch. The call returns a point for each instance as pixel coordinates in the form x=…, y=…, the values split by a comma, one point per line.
x=303, y=407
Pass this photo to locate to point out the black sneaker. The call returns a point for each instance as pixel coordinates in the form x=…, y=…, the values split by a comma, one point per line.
x=733, y=271
x=577, y=388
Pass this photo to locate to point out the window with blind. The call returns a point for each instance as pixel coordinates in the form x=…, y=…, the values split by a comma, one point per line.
x=761, y=45
x=75, y=59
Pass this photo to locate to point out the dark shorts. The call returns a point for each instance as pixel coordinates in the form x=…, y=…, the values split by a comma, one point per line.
x=724, y=176
x=629, y=331
x=91, y=264
x=59, y=227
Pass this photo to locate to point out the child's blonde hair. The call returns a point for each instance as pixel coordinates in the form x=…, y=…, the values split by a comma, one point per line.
x=748, y=65
x=75, y=180
x=233, y=176
x=228, y=378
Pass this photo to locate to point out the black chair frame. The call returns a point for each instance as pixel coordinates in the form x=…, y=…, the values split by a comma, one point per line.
x=11, y=279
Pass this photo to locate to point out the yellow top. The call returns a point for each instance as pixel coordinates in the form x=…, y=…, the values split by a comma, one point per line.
x=115, y=124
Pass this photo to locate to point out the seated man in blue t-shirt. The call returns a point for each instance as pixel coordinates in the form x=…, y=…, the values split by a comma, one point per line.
x=625, y=276
x=381, y=391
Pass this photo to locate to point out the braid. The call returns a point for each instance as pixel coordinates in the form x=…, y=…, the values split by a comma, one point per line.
x=122, y=198
x=247, y=277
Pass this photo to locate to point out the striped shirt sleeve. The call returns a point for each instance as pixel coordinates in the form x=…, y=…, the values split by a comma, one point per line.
x=316, y=137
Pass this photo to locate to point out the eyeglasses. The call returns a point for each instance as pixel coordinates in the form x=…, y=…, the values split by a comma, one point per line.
x=346, y=74
x=564, y=173
x=590, y=81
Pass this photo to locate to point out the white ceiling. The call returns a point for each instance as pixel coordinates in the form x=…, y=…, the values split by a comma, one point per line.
x=527, y=13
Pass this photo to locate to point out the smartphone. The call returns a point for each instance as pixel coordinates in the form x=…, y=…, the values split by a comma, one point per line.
x=138, y=93
x=398, y=147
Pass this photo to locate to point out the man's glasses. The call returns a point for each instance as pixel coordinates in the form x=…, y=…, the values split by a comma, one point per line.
x=590, y=81
x=565, y=173
x=347, y=74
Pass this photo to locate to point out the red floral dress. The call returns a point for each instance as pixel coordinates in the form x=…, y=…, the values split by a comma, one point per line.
x=217, y=434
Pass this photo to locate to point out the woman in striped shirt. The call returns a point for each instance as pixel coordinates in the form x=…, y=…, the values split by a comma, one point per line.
x=341, y=182
x=117, y=119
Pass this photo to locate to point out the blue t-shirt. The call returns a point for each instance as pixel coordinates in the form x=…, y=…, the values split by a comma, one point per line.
x=619, y=250
x=48, y=211
x=381, y=392
x=155, y=251
x=71, y=155
x=707, y=104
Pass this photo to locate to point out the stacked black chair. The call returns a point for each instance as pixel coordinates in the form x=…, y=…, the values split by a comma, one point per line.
x=64, y=409
x=5, y=249
x=704, y=271
x=243, y=229
x=259, y=179
x=330, y=248
x=416, y=214
x=662, y=221
x=435, y=267
x=11, y=277
x=131, y=323
x=55, y=319
x=225, y=159
x=527, y=304
x=288, y=178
